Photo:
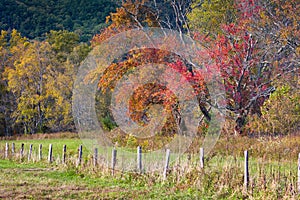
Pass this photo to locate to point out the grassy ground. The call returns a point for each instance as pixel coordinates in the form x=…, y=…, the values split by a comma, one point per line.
x=273, y=173
x=37, y=181
x=41, y=181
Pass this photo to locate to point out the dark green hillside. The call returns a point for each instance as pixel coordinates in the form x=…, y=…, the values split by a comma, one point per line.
x=33, y=18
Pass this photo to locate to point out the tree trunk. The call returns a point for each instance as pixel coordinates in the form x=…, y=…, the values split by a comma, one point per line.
x=240, y=124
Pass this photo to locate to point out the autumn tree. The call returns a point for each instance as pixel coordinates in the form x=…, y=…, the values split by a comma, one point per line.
x=4, y=102
x=132, y=14
x=128, y=17
x=27, y=81
x=39, y=75
x=277, y=25
x=171, y=14
x=12, y=47
x=260, y=47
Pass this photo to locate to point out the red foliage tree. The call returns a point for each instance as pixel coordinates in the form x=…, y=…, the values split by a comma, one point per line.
x=255, y=51
x=149, y=94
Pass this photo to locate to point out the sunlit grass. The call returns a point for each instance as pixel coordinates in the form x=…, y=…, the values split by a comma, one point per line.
x=272, y=174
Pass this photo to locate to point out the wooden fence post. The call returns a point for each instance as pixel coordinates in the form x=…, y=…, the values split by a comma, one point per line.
x=40, y=152
x=139, y=159
x=113, y=160
x=298, y=185
x=29, y=152
x=246, y=170
x=12, y=149
x=95, y=158
x=6, y=149
x=64, y=154
x=201, y=158
x=22, y=151
x=166, y=167
x=50, y=154
x=79, y=155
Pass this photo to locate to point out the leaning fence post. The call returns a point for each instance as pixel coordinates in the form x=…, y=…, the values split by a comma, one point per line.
x=64, y=154
x=22, y=151
x=95, y=158
x=40, y=152
x=298, y=174
x=166, y=167
x=50, y=154
x=113, y=160
x=201, y=158
x=6, y=149
x=79, y=155
x=29, y=152
x=139, y=159
x=13, y=149
x=246, y=170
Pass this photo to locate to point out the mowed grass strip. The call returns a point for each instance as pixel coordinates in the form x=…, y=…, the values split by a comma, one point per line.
x=36, y=181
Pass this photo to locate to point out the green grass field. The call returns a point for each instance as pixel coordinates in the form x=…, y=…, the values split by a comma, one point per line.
x=272, y=174
x=37, y=181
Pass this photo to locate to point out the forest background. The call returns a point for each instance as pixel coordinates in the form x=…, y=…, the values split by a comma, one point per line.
x=255, y=45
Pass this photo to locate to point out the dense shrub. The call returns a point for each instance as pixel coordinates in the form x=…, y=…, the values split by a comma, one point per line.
x=280, y=113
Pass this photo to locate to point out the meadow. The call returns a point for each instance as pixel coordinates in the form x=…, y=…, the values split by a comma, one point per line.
x=272, y=170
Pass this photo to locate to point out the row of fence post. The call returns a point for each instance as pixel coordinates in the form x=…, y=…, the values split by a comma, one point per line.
x=139, y=159
x=95, y=156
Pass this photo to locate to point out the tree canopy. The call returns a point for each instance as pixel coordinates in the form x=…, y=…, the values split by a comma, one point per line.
x=254, y=44
x=34, y=18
